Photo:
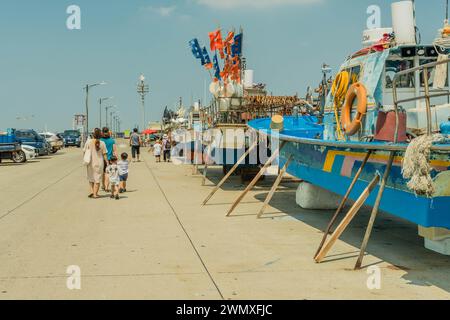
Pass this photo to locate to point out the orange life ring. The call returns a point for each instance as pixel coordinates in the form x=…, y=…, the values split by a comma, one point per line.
x=356, y=91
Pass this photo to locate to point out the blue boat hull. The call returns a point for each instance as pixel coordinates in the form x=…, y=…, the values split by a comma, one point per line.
x=333, y=168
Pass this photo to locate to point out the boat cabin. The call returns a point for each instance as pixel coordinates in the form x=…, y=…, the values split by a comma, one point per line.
x=376, y=71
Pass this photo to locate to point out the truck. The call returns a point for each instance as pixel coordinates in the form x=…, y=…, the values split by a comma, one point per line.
x=32, y=138
x=10, y=149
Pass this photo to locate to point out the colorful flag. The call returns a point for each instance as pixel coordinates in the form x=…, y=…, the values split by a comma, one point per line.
x=195, y=48
x=236, y=48
x=227, y=69
x=229, y=41
x=216, y=68
x=236, y=71
x=216, y=42
x=206, y=59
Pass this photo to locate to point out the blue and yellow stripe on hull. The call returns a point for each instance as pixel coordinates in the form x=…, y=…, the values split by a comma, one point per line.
x=333, y=168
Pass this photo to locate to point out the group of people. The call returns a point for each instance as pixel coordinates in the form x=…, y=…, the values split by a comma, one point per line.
x=107, y=170
x=104, y=168
x=162, y=147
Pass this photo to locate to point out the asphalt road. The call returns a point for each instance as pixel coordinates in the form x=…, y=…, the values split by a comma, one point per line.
x=157, y=242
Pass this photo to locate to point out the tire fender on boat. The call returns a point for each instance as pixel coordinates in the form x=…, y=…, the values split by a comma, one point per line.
x=356, y=91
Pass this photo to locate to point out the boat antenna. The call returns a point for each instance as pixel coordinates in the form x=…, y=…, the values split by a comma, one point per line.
x=446, y=13
x=417, y=31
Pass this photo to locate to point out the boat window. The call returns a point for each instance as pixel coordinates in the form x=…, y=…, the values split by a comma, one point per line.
x=354, y=74
x=395, y=66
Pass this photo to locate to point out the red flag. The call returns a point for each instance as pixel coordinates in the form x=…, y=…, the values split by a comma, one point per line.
x=236, y=71
x=216, y=40
x=229, y=41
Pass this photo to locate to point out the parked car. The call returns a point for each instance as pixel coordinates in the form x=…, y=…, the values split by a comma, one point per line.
x=30, y=152
x=30, y=137
x=56, y=143
x=72, y=138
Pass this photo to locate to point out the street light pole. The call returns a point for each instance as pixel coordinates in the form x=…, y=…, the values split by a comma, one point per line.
x=142, y=90
x=116, y=124
x=106, y=114
x=101, y=100
x=87, y=115
x=87, y=87
x=111, y=121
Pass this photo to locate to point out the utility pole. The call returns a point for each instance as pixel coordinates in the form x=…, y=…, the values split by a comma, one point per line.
x=101, y=100
x=142, y=90
x=87, y=87
x=111, y=121
x=86, y=126
x=106, y=114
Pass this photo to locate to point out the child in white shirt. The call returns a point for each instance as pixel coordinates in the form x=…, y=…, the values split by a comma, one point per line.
x=123, y=172
x=113, y=173
x=157, y=148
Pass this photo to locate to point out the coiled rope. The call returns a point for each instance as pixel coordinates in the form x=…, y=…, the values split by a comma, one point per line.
x=339, y=91
x=443, y=38
x=416, y=164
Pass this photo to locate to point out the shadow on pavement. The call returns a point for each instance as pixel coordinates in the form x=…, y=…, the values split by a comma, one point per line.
x=393, y=240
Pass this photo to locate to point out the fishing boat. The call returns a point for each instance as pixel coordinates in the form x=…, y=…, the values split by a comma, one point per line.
x=383, y=99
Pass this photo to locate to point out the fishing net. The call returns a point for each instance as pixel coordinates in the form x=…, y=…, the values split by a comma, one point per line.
x=416, y=164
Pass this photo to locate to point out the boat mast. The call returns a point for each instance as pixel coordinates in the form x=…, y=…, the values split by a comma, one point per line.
x=446, y=13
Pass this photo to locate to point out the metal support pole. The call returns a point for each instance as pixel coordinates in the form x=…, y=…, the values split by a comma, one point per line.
x=375, y=210
x=142, y=90
x=236, y=165
x=348, y=218
x=256, y=179
x=344, y=201
x=275, y=186
x=427, y=101
x=100, y=122
x=87, y=115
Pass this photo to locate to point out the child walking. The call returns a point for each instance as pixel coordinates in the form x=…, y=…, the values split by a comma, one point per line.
x=123, y=172
x=157, y=151
x=113, y=173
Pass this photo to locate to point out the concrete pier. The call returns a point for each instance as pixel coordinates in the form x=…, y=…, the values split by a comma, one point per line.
x=157, y=242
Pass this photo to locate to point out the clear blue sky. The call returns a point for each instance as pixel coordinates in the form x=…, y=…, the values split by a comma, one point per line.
x=44, y=66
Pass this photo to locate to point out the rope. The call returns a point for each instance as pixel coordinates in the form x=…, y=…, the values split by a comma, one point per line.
x=339, y=91
x=443, y=39
x=416, y=164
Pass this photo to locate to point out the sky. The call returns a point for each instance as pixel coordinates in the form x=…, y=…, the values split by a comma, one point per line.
x=44, y=65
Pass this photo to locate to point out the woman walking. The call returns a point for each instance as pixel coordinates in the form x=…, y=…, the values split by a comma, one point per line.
x=111, y=149
x=96, y=150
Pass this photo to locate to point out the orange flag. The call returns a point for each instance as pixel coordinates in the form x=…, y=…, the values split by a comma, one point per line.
x=216, y=42
x=229, y=41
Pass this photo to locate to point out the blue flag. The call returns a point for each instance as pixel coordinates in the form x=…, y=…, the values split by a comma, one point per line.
x=216, y=67
x=236, y=48
x=206, y=59
x=196, y=50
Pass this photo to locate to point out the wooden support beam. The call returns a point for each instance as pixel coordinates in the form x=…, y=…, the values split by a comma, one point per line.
x=375, y=210
x=224, y=179
x=256, y=179
x=343, y=202
x=347, y=219
x=274, y=187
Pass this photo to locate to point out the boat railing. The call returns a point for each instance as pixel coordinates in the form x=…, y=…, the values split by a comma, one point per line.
x=427, y=94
